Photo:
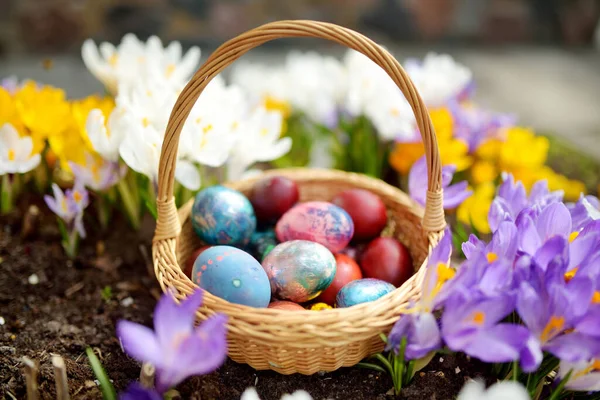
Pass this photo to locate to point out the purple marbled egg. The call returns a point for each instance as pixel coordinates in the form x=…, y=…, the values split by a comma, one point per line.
x=362, y=291
x=299, y=270
x=317, y=221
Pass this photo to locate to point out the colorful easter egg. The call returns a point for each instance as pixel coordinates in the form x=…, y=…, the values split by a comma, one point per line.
x=261, y=242
x=272, y=197
x=189, y=265
x=285, y=305
x=366, y=210
x=299, y=270
x=316, y=221
x=223, y=216
x=387, y=259
x=347, y=270
x=363, y=291
x=233, y=275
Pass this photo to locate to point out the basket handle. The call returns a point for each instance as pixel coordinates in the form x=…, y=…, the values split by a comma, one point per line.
x=168, y=225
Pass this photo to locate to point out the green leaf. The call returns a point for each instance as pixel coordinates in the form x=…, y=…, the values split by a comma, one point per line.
x=371, y=366
x=422, y=363
x=107, y=293
x=557, y=392
x=107, y=388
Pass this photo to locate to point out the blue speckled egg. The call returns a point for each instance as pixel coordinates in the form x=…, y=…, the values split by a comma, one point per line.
x=233, y=275
x=317, y=221
x=223, y=216
x=362, y=291
x=299, y=270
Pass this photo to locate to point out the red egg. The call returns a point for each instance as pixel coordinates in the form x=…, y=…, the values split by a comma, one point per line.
x=367, y=211
x=272, y=197
x=387, y=259
x=347, y=270
x=189, y=265
x=285, y=305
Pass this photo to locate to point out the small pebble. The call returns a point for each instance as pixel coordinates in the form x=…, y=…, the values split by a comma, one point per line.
x=7, y=350
x=127, y=301
x=2, y=321
x=441, y=359
x=457, y=370
x=33, y=279
x=421, y=374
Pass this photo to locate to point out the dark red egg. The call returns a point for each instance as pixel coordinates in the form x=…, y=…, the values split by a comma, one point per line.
x=347, y=270
x=189, y=265
x=272, y=197
x=387, y=259
x=366, y=210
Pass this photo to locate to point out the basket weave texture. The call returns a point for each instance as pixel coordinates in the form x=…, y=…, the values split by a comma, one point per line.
x=301, y=341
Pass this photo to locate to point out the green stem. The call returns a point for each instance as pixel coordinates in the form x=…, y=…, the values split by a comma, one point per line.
x=400, y=366
x=107, y=388
x=6, y=199
x=559, y=389
x=385, y=363
x=130, y=203
x=515, y=371
x=104, y=208
x=371, y=366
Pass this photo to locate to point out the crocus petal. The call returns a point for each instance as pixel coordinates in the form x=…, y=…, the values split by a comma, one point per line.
x=199, y=353
x=454, y=195
x=188, y=175
x=530, y=240
x=139, y=342
x=417, y=181
x=574, y=347
x=504, y=241
x=172, y=320
x=584, y=377
x=531, y=355
x=472, y=245
x=426, y=337
x=250, y=394
x=587, y=383
x=531, y=308
x=501, y=343
x=499, y=211
x=554, y=220
x=135, y=391
x=556, y=248
x=507, y=390
x=590, y=323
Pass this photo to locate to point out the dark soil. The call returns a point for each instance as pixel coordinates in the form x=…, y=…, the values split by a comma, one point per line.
x=70, y=309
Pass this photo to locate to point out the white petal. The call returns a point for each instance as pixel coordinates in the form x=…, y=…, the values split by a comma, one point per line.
x=250, y=394
x=9, y=136
x=507, y=390
x=276, y=150
x=90, y=56
x=188, y=175
x=472, y=390
x=189, y=63
x=30, y=164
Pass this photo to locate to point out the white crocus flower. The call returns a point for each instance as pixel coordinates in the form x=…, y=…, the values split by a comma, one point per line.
x=107, y=138
x=250, y=394
x=372, y=93
x=133, y=59
x=438, y=78
x=585, y=375
x=16, y=152
x=209, y=132
x=141, y=152
x=258, y=141
x=261, y=81
x=506, y=390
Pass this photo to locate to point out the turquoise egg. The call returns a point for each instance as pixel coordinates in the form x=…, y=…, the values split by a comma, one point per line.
x=299, y=270
x=233, y=275
x=362, y=291
x=223, y=216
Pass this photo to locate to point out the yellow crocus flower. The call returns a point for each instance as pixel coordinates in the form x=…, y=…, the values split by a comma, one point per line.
x=452, y=151
x=483, y=171
x=474, y=210
x=8, y=111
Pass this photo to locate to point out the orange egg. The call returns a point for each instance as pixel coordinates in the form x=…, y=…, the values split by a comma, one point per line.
x=347, y=270
x=285, y=305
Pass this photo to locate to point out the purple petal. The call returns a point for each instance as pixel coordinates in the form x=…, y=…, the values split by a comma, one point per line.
x=139, y=342
x=454, y=195
x=530, y=240
x=135, y=391
x=425, y=337
x=496, y=279
x=504, y=241
x=172, y=320
x=52, y=205
x=501, y=343
x=555, y=220
x=574, y=347
x=447, y=174
x=531, y=308
x=531, y=355
x=401, y=329
x=590, y=323
x=556, y=248
x=582, y=248
x=417, y=181
x=579, y=296
x=200, y=353
x=472, y=245
x=499, y=211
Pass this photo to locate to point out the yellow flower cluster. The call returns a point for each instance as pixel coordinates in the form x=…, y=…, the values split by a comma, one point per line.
x=44, y=113
x=518, y=151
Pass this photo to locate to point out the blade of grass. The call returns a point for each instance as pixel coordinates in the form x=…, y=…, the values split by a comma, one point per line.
x=107, y=388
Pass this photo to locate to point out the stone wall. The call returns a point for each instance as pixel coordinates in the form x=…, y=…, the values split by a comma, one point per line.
x=61, y=25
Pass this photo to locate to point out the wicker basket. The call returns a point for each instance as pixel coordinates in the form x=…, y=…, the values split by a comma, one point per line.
x=301, y=341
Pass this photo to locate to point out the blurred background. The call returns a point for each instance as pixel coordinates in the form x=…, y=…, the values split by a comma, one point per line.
x=537, y=58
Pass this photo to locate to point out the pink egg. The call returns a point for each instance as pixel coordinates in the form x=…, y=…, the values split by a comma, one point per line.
x=316, y=221
x=285, y=305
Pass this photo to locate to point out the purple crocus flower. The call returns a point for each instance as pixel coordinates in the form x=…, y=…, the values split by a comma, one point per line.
x=135, y=391
x=512, y=199
x=175, y=348
x=551, y=308
x=474, y=327
x=454, y=195
x=69, y=205
x=475, y=125
x=98, y=175
x=420, y=327
x=585, y=375
x=586, y=210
